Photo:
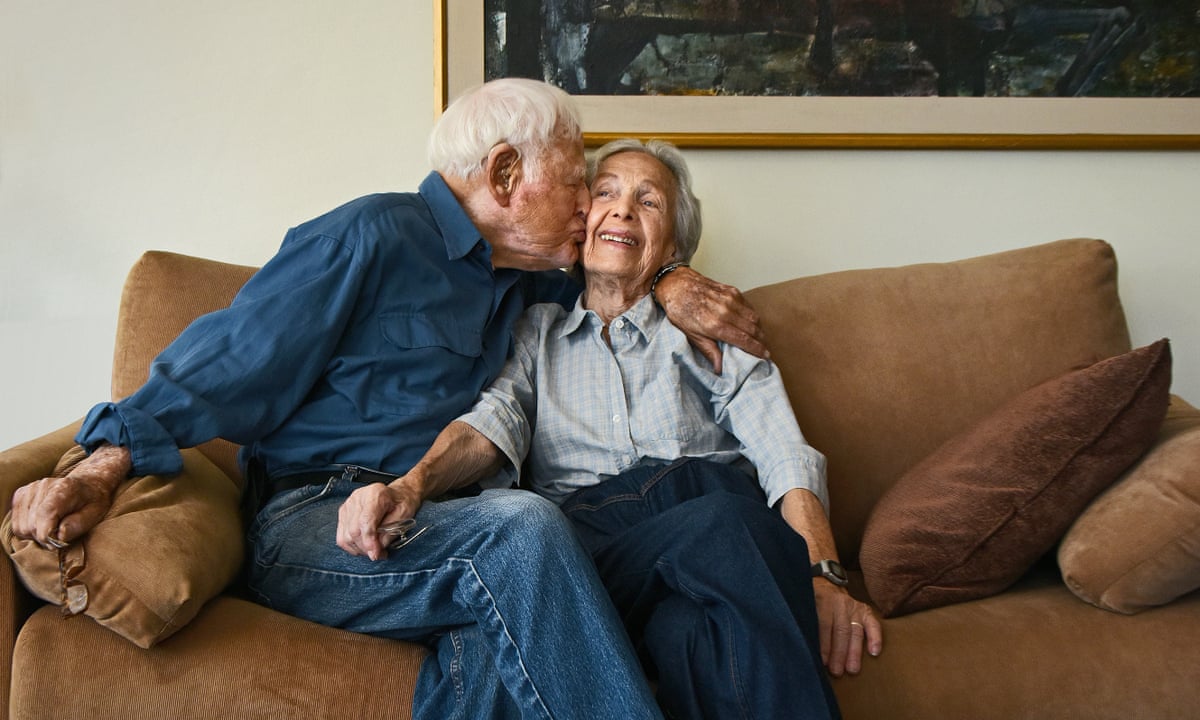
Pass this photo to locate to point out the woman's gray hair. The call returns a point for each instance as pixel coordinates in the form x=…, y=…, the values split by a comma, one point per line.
x=530, y=115
x=688, y=224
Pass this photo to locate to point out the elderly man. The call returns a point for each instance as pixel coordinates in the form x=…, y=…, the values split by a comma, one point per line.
x=373, y=327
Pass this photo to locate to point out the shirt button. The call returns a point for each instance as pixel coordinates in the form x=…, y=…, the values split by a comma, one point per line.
x=619, y=323
x=616, y=418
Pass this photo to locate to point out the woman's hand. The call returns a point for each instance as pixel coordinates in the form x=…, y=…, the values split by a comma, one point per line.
x=847, y=626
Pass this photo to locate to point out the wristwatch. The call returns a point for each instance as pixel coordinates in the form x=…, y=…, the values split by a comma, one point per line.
x=832, y=571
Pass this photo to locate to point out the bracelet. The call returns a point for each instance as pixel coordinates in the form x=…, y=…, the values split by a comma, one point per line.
x=663, y=272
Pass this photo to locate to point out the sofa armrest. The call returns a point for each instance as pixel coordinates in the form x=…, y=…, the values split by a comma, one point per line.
x=19, y=466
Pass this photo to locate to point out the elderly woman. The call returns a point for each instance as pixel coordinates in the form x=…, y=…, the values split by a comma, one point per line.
x=694, y=492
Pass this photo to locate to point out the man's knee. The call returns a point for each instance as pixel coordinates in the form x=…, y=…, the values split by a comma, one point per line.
x=522, y=508
x=527, y=519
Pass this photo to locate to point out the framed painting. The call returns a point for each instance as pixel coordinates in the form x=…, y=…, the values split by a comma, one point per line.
x=975, y=74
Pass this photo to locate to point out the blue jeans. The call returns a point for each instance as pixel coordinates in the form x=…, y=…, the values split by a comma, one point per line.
x=497, y=586
x=714, y=588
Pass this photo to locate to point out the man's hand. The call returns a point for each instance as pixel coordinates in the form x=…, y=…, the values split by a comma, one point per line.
x=368, y=508
x=709, y=312
x=459, y=456
x=846, y=626
x=57, y=511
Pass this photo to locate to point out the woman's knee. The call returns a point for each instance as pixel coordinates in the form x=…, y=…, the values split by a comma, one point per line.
x=728, y=525
x=721, y=511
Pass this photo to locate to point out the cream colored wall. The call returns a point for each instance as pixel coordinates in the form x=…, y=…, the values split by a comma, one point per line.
x=210, y=128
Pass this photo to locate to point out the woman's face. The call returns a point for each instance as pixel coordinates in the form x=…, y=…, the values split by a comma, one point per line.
x=631, y=226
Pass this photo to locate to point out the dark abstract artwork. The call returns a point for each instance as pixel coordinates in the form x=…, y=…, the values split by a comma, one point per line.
x=877, y=48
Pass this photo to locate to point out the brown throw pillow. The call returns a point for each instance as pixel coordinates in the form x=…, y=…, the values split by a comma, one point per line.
x=1138, y=544
x=974, y=516
x=167, y=546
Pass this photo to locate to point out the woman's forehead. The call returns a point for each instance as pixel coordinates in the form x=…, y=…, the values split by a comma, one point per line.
x=639, y=166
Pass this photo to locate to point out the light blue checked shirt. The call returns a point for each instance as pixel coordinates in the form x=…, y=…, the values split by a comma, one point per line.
x=581, y=412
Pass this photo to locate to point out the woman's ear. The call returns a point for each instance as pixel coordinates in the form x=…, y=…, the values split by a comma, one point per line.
x=503, y=172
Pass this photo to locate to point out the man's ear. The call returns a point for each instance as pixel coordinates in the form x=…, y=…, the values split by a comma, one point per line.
x=503, y=172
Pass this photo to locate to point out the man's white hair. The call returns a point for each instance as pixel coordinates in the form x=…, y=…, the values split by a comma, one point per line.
x=530, y=115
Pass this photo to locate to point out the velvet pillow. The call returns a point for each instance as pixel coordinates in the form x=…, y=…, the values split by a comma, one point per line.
x=970, y=519
x=1138, y=544
x=167, y=546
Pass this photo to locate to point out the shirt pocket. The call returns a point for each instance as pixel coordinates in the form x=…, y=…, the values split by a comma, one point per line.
x=430, y=365
x=671, y=420
x=415, y=331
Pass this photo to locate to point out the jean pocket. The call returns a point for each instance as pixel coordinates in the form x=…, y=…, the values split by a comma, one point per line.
x=288, y=503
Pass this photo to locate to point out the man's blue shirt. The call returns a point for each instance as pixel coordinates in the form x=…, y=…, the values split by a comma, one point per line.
x=372, y=328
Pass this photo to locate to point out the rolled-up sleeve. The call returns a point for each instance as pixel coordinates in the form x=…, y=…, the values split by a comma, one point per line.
x=506, y=412
x=753, y=405
x=239, y=372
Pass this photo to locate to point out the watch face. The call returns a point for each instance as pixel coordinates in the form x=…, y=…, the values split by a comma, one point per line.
x=832, y=571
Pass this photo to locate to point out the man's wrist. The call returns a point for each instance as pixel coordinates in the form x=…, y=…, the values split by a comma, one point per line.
x=663, y=272
x=112, y=463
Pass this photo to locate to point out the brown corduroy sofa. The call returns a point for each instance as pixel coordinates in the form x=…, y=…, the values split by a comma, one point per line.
x=882, y=366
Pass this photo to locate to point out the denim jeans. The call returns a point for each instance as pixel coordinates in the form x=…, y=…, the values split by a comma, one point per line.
x=713, y=586
x=496, y=586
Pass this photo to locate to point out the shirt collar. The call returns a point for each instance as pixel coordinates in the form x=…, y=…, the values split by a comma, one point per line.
x=458, y=232
x=645, y=316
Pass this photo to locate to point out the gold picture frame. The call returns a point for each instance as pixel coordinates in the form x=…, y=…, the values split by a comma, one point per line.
x=839, y=122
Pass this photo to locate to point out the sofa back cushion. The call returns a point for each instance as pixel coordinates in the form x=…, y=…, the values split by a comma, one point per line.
x=884, y=365
x=163, y=293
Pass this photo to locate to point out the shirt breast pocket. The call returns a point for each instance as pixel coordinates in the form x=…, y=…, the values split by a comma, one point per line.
x=417, y=331
x=429, y=362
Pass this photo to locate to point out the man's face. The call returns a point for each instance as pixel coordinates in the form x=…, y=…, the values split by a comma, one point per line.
x=548, y=218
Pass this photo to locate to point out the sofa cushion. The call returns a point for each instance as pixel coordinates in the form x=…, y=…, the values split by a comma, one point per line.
x=1138, y=544
x=883, y=365
x=235, y=660
x=167, y=546
x=976, y=514
x=1033, y=652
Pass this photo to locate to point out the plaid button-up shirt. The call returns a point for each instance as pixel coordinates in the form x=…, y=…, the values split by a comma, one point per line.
x=580, y=411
